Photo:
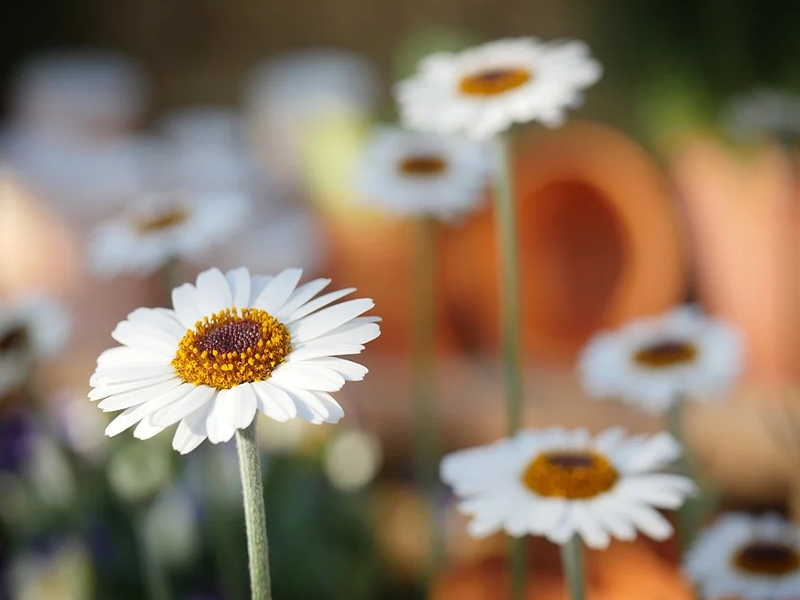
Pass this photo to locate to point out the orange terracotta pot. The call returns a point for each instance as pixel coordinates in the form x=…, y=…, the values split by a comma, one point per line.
x=624, y=571
x=742, y=213
x=600, y=243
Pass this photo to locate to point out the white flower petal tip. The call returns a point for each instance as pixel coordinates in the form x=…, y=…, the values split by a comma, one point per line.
x=219, y=357
x=408, y=173
x=162, y=226
x=652, y=363
x=484, y=90
x=746, y=556
x=557, y=483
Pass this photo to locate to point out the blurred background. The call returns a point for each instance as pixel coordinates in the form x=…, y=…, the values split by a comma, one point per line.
x=648, y=198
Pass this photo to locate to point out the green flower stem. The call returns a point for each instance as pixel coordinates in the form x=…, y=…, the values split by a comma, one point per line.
x=572, y=561
x=254, y=515
x=685, y=515
x=505, y=219
x=426, y=440
x=155, y=580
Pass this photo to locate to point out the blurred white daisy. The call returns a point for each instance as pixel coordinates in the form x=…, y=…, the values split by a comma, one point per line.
x=763, y=111
x=411, y=173
x=654, y=362
x=233, y=345
x=744, y=556
x=484, y=90
x=31, y=327
x=162, y=226
x=558, y=483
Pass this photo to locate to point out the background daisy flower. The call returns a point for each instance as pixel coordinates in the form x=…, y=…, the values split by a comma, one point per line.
x=233, y=345
x=410, y=173
x=161, y=226
x=484, y=90
x=654, y=362
x=744, y=556
x=31, y=327
x=559, y=483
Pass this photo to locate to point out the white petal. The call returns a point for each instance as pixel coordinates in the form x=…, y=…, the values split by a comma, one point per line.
x=301, y=295
x=309, y=407
x=146, y=337
x=122, y=356
x=329, y=318
x=257, y=285
x=191, y=431
x=123, y=395
x=106, y=375
x=335, y=411
x=649, y=521
x=239, y=282
x=274, y=402
x=308, y=377
x=318, y=303
x=589, y=528
x=613, y=520
x=223, y=416
x=278, y=290
x=187, y=405
x=348, y=369
x=146, y=429
x=213, y=292
x=316, y=350
x=135, y=413
x=184, y=299
x=163, y=318
x=354, y=332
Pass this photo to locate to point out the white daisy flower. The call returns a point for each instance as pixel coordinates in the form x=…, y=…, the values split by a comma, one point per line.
x=161, y=226
x=31, y=327
x=559, y=483
x=232, y=346
x=748, y=557
x=654, y=362
x=411, y=173
x=763, y=111
x=484, y=90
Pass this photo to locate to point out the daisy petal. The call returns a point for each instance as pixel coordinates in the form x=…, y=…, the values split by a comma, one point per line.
x=198, y=397
x=239, y=282
x=191, y=431
x=223, y=416
x=185, y=301
x=329, y=318
x=307, y=377
x=278, y=290
x=274, y=402
x=300, y=296
x=213, y=292
x=318, y=303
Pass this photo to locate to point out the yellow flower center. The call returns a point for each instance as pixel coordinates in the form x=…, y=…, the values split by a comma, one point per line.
x=492, y=82
x=232, y=347
x=767, y=558
x=164, y=220
x=14, y=340
x=423, y=165
x=572, y=474
x=665, y=354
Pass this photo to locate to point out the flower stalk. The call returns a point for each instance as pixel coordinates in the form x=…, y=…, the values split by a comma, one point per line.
x=572, y=562
x=254, y=513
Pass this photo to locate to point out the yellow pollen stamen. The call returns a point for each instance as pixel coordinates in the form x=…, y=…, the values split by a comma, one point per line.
x=423, y=165
x=232, y=347
x=572, y=474
x=665, y=354
x=767, y=558
x=165, y=220
x=492, y=82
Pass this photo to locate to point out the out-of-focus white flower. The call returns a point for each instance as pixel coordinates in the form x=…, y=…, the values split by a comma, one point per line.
x=410, y=173
x=743, y=556
x=78, y=95
x=484, y=90
x=657, y=361
x=31, y=327
x=137, y=472
x=170, y=528
x=352, y=459
x=559, y=484
x=50, y=473
x=763, y=111
x=163, y=226
x=233, y=346
x=82, y=427
x=62, y=573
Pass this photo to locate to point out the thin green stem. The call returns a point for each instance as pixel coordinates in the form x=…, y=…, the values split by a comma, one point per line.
x=155, y=580
x=254, y=514
x=685, y=516
x=505, y=218
x=572, y=561
x=426, y=439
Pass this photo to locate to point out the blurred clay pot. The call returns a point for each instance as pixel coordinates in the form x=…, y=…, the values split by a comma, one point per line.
x=742, y=214
x=600, y=243
x=623, y=572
